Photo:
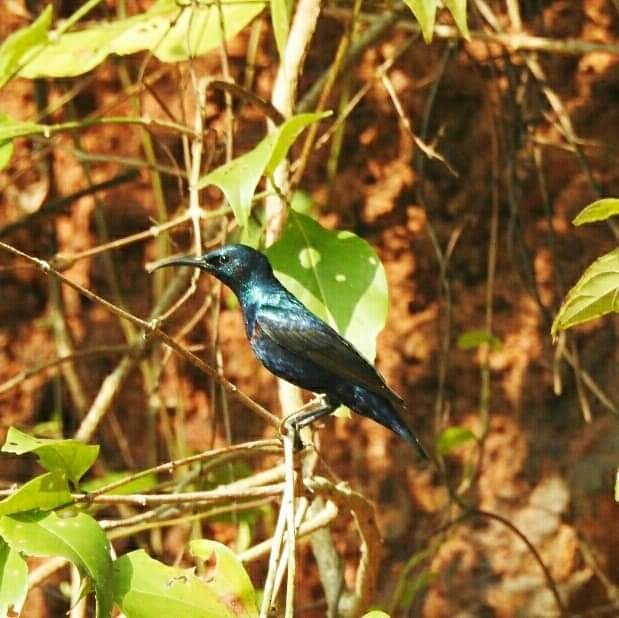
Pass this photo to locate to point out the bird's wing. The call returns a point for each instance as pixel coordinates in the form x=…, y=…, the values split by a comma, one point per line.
x=304, y=334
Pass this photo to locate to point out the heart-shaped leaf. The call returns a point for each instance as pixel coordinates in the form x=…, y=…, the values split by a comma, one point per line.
x=227, y=577
x=337, y=275
x=144, y=587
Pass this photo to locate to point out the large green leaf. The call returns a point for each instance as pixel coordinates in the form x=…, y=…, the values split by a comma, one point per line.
x=595, y=294
x=171, y=30
x=79, y=539
x=44, y=492
x=16, y=47
x=227, y=577
x=72, y=457
x=425, y=13
x=144, y=587
x=239, y=178
x=336, y=275
x=599, y=210
x=13, y=581
x=457, y=8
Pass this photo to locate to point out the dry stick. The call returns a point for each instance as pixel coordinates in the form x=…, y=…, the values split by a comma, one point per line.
x=151, y=329
x=365, y=518
x=177, y=516
x=334, y=71
x=217, y=455
x=565, y=125
x=26, y=374
x=283, y=99
x=519, y=41
x=323, y=518
x=58, y=205
x=195, y=497
x=62, y=261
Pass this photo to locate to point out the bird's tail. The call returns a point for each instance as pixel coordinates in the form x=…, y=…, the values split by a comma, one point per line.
x=382, y=411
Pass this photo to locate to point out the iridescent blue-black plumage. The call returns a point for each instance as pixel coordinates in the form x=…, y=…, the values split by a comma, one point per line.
x=295, y=344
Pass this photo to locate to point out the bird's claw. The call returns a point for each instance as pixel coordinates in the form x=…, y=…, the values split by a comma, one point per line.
x=288, y=428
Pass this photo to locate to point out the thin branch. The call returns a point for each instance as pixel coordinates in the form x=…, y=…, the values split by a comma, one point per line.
x=150, y=328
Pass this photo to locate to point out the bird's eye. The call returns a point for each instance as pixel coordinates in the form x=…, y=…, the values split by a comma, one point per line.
x=223, y=259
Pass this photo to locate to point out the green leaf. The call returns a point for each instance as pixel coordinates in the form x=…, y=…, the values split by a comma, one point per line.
x=79, y=539
x=15, y=48
x=457, y=8
x=337, y=275
x=452, y=438
x=599, y=210
x=425, y=13
x=375, y=613
x=170, y=30
x=71, y=456
x=44, y=492
x=10, y=129
x=239, y=178
x=13, y=581
x=228, y=579
x=595, y=294
x=6, y=146
x=144, y=588
x=280, y=18
x=474, y=338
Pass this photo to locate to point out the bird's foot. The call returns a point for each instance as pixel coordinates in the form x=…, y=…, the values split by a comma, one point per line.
x=288, y=427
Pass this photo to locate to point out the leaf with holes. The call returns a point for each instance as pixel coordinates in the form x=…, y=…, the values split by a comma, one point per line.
x=170, y=30
x=337, y=275
x=599, y=210
x=239, y=178
x=79, y=539
x=227, y=577
x=595, y=294
x=13, y=581
x=425, y=13
x=72, y=457
x=44, y=492
x=144, y=587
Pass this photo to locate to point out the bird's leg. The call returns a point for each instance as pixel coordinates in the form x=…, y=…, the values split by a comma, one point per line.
x=305, y=416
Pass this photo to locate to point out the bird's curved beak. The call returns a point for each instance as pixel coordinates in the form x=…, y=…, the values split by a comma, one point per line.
x=187, y=260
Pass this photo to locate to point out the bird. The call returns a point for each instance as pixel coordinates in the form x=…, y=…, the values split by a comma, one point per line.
x=295, y=344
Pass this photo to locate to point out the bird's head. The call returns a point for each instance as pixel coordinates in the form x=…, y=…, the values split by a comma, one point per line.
x=232, y=264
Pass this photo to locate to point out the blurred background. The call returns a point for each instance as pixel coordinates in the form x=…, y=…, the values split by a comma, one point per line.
x=462, y=163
